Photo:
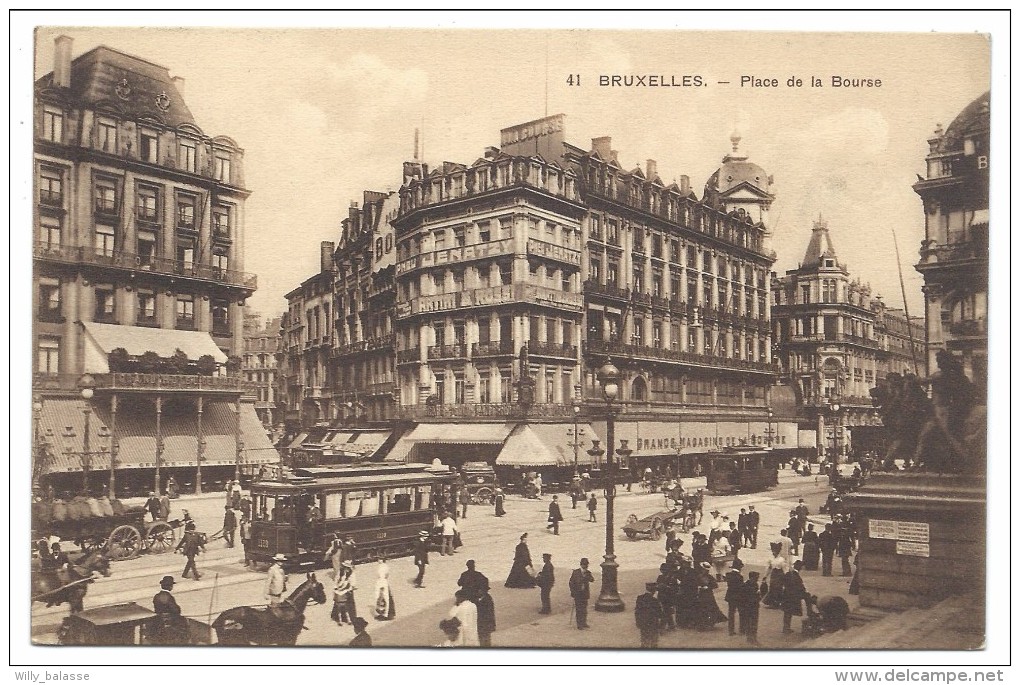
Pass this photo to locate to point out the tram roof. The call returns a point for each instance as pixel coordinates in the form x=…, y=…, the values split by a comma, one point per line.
x=379, y=475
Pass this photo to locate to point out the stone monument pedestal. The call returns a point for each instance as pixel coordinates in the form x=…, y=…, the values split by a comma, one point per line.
x=922, y=538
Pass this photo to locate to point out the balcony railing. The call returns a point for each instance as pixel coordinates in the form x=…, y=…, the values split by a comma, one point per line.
x=595, y=288
x=969, y=327
x=147, y=382
x=132, y=262
x=457, y=351
x=954, y=252
x=371, y=344
x=381, y=388
x=185, y=323
x=493, y=349
x=552, y=349
x=603, y=347
x=420, y=412
x=221, y=329
x=410, y=356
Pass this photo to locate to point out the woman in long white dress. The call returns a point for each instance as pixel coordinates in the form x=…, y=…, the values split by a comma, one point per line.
x=384, y=606
x=467, y=613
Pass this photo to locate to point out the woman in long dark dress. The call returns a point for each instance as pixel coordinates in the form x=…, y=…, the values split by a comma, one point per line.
x=520, y=576
x=706, y=610
x=811, y=551
x=776, y=569
x=500, y=511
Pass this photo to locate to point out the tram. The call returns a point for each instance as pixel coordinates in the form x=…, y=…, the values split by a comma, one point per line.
x=740, y=470
x=381, y=506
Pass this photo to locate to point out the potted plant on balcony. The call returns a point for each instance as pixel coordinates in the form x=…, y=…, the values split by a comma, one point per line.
x=206, y=365
x=149, y=362
x=119, y=360
x=233, y=364
x=178, y=363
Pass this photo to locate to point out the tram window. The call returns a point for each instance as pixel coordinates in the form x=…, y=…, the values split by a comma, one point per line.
x=282, y=509
x=263, y=508
x=333, y=505
x=423, y=497
x=398, y=500
x=362, y=503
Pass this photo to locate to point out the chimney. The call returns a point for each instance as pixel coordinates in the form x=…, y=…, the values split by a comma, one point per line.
x=651, y=169
x=326, y=255
x=602, y=146
x=685, y=184
x=62, y=61
x=354, y=215
x=491, y=152
x=178, y=82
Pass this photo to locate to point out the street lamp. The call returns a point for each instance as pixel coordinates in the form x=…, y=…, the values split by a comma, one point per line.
x=834, y=409
x=769, y=433
x=609, y=597
x=576, y=443
x=87, y=386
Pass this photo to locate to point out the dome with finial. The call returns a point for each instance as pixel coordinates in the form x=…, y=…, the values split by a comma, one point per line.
x=973, y=120
x=740, y=184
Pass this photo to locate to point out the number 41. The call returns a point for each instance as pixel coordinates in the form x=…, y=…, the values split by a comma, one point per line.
x=574, y=80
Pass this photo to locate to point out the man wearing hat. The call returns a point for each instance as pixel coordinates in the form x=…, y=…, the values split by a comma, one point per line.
x=753, y=521
x=152, y=506
x=361, y=637
x=421, y=556
x=545, y=579
x=718, y=524
x=472, y=581
x=794, y=593
x=749, y=607
x=190, y=545
x=734, y=590
x=169, y=630
x=580, y=582
x=229, y=525
x=648, y=616
x=276, y=583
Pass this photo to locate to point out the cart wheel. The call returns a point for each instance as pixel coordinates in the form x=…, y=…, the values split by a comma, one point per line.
x=631, y=534
x=125, y=543
x=482, y=496
x=159, y=537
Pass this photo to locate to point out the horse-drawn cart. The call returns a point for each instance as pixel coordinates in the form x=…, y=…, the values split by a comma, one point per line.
x=123, y=532
x=652, y=526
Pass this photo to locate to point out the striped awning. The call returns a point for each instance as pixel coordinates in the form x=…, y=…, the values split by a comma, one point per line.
x=102, y=338
x=547, y=444
x=62, y=426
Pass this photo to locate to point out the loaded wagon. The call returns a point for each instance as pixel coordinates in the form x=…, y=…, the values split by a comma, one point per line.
x=103, y=523
x=131, y=624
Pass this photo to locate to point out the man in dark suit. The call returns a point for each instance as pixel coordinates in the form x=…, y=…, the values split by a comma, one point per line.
x=794, y=593
x=580, y=582
x=229, y=525
x=421, y=556
x=734, y=588
x=554, y=515
x=827, y=546
x=472, y=581
x=648, y=616
x=750, y=599
x=546, y=578
x=170, y=629
x=744, y=528
x=163, y=602
x=753, y=520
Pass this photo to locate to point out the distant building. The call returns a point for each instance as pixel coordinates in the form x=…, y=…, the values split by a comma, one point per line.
x=954, y=253
x=258, y=365
x=138, y=282
x=836, y=341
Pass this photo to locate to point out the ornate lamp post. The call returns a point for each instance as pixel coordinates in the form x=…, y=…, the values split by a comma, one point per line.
x=577, y=433
x=87, y=386
x=834, y=408
x=770, y=434
x=609, y=597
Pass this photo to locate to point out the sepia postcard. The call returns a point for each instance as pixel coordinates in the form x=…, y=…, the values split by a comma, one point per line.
x=545, y=338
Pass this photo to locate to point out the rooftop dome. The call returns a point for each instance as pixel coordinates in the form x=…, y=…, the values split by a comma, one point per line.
x=736, y=169
x=974, y=118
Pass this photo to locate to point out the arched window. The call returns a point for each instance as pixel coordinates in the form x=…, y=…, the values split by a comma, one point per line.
x=639, y=390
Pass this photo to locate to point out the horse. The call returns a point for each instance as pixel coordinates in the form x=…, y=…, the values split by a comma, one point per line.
x=273, y=625
x=70, y=584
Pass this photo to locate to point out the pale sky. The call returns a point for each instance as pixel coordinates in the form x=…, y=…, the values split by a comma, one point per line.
x=325, y=114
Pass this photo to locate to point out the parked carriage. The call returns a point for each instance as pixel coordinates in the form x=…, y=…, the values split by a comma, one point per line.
x=95, y=524
x=741, y=470
x=652, y=526
x=129, y=624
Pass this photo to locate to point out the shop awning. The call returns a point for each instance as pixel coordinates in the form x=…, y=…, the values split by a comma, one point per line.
x=449, y=433
x=296, y=442
x=547, y=444
x=62, y=424
x=102, y=338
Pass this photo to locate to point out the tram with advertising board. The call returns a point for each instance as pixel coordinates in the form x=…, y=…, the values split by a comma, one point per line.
x=740, y=470
x=381, y=506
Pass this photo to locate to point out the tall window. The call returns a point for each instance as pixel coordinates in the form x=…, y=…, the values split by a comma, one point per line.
x=146, y=308
x=440, y=237
x=49, y=355
x=105, y=240
x=613, y=274
x=106, y=197
x=185, y=311
x=147, y=203
x=506, y=387
x=185, y=211
x=612, y=232
x=692, y=290
x=828, y=290
x=657, y=334
x=221, y=316
x=638, y=278
x=458, y=237
x=709, y=343
x=639, y=331
x=483, y=389
x=674, y=286
x=51, y=186
x=222, y=168
x=146, y=248
x=484, y=234
x=441, y=389
x=49, y=231
x=706, y=291
x=458, y=391
x=189, y=155
x=49, y=299
x=505, y=274
x=106, y=135
x=53, y=125
x=221, y=261
x=657, y=284
x=440, y=333
x=221, y=221
x=595, y=270
x=105, y=305
x=692, y=257
x=148, y=145
x=550, y=388
x=596, y=228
